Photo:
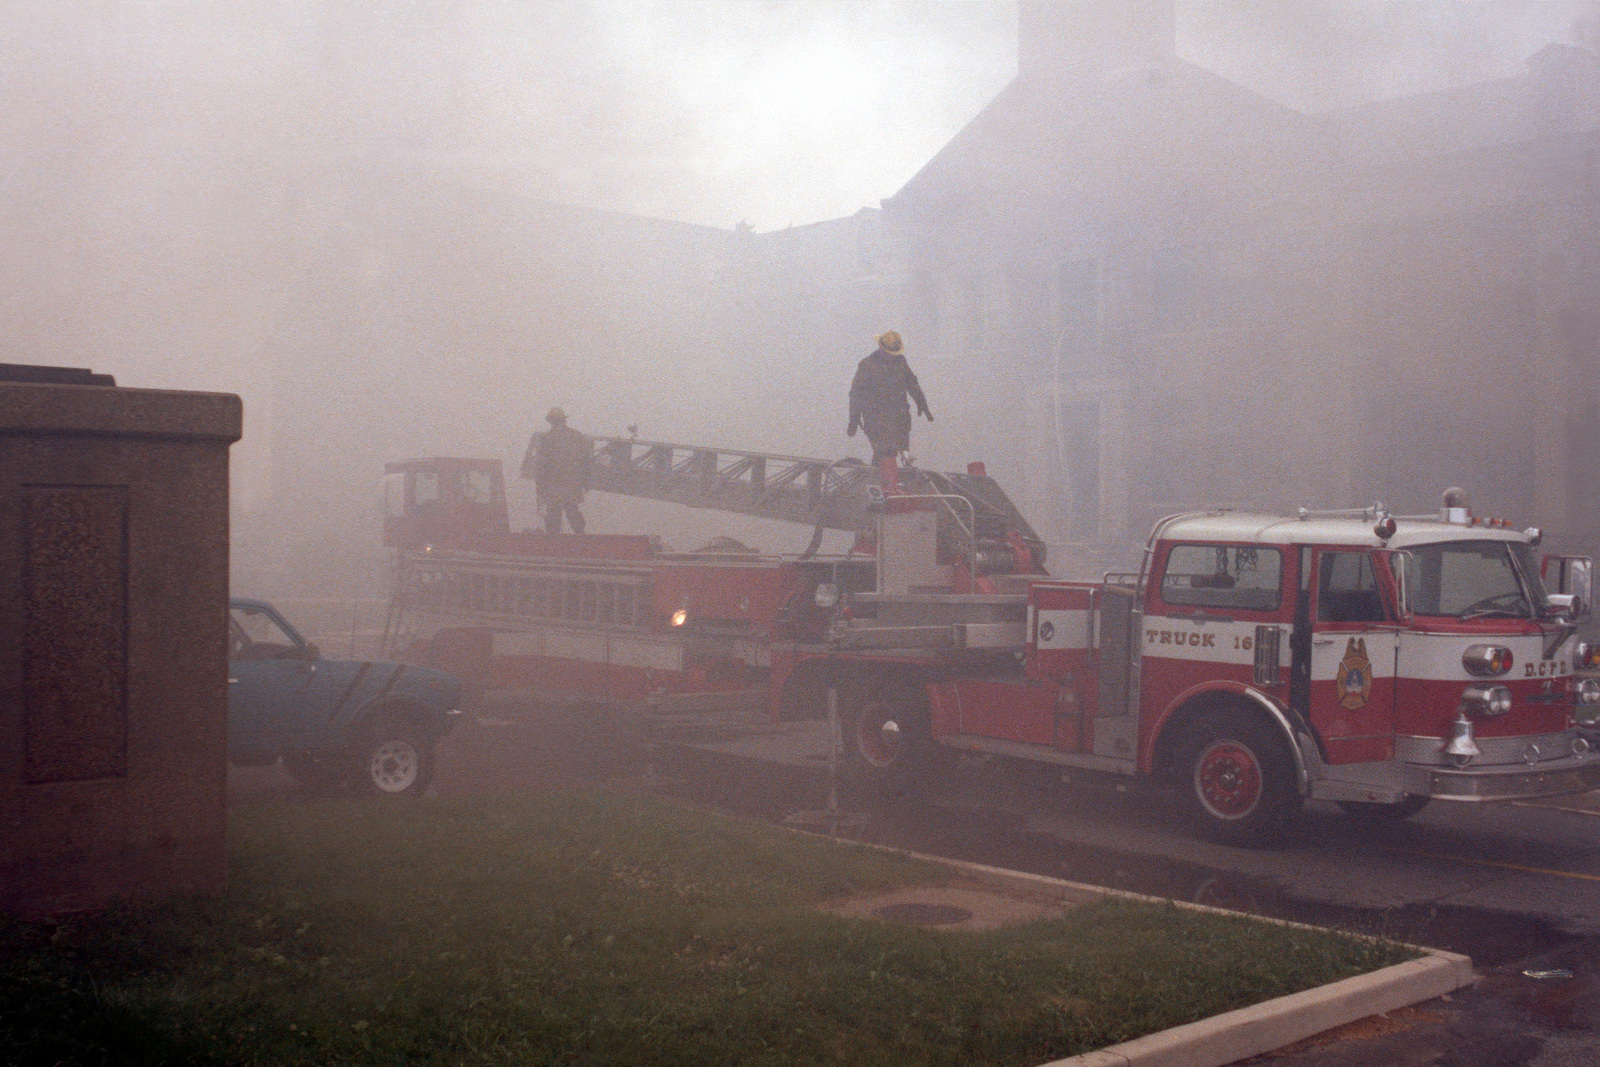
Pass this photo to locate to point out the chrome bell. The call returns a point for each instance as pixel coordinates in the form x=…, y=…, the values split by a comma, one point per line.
x=1461, y=749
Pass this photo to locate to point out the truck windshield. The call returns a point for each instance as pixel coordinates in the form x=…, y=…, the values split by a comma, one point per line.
x=1472, y=579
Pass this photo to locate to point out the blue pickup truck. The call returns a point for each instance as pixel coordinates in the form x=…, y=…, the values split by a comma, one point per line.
x=360, y=723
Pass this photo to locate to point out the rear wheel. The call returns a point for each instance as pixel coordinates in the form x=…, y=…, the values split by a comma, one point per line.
x=393, y=761
x=1380, y=814
x=1237, y=780
x=886, y=734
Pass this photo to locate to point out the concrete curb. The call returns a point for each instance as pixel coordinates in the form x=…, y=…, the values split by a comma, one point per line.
x=1272, y=1024
x=1236, y=1035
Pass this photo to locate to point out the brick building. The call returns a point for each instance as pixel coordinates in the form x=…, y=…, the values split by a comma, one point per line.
x=1191, y=294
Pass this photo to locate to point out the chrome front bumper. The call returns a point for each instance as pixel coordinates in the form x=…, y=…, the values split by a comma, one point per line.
x=1549, y=778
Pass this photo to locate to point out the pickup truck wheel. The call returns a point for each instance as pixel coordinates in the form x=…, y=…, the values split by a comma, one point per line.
x=1378, y=814
x=1238, y=781
x=393, y=761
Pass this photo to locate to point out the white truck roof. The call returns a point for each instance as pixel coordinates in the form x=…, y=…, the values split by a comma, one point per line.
x=1354, y=530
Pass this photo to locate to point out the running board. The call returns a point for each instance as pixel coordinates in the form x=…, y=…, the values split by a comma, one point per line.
x=1038, y=753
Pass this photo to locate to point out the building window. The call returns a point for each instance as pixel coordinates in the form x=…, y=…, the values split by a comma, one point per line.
x=1078, y=447
x=955, y=312
x=1078, y=316
x=1182, y=285
x=922, y=310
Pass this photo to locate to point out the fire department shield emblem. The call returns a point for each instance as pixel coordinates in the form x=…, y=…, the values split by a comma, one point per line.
x=1354, y=679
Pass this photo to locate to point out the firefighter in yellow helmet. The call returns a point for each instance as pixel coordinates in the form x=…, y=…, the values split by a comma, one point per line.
x=561, y=473
x=878, y=395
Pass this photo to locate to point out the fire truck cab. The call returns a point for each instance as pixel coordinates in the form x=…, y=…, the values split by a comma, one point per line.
x=444, y=501
x=1258, y=660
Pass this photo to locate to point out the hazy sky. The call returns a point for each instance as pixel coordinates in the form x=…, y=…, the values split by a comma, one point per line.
x=707, y=111
x=788, y=113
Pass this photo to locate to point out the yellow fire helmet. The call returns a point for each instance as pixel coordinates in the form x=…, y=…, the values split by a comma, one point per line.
x=890, y=343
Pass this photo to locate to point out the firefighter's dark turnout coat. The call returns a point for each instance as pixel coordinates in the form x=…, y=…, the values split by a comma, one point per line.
x=561, y=467
x=878, y=401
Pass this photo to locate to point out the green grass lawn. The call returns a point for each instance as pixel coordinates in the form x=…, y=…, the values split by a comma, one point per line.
x=596, y=929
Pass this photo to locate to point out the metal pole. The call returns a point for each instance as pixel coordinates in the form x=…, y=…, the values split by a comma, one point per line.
x=833, y=760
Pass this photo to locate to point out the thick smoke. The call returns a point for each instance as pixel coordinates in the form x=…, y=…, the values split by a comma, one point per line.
x=401, y=229
x=1318, y=55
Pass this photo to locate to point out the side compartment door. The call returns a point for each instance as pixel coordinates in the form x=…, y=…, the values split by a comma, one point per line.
x=1059, y=654
x=1354, y=644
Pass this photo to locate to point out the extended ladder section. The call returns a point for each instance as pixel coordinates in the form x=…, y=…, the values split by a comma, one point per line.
x=974, y=512
x=514, y=592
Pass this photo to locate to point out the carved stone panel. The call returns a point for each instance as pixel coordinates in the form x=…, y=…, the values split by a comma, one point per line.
x=75, y=632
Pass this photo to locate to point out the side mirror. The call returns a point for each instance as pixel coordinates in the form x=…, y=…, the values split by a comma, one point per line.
x=1568, y=605
x=1569, y=580
x=312, y=652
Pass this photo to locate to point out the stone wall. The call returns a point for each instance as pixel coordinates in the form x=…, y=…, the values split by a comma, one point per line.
x=113, y=625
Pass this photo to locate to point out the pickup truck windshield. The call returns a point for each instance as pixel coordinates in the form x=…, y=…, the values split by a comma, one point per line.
x=1472, y=579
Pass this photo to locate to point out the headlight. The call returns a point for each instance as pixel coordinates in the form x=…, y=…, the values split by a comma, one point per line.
x=1586, y=656
x=827, y=595
x=680, y=616
x=1589, y=692
x=1486, y=699
x=1487, y=661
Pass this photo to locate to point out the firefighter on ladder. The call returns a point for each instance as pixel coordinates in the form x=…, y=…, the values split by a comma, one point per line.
x=561, y=473
x=878, y=405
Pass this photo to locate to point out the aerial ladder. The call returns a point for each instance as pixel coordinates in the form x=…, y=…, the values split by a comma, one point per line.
x=490, y=592
x=976, y=522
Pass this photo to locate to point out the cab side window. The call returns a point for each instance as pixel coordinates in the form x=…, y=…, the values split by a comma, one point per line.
x=253, y=634
x=478, y=487
x=1237, y=577
x=1347, y=589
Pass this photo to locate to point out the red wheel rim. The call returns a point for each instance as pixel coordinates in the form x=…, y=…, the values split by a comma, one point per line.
x=870, y=742
x=1227, y=778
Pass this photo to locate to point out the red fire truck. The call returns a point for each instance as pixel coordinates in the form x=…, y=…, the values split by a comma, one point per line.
x=1252, y=661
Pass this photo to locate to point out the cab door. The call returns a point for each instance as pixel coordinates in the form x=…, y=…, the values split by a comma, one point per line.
x=270, y=674
x=1354, y=647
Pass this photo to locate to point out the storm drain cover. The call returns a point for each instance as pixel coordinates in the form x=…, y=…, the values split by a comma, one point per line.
x=923, y=914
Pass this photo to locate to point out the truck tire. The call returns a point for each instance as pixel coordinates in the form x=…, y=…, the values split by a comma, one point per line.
x=888, y=745
x=1237, y=780
x=393, y=761
x=1366, y=814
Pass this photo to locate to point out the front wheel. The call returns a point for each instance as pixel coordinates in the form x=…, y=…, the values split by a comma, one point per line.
x=393, y=761
x=1238, y=780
